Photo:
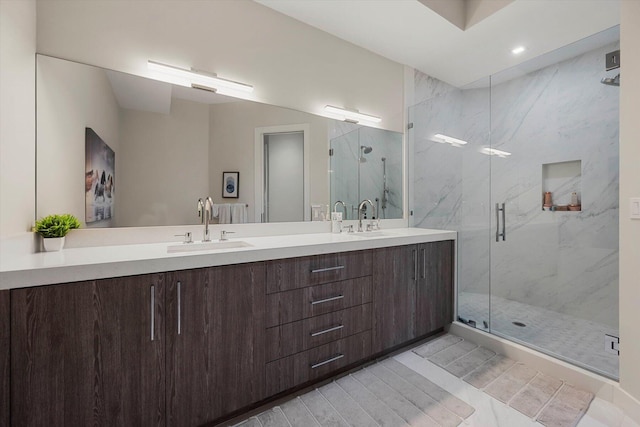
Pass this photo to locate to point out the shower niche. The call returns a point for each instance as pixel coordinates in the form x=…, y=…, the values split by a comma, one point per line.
x=562, y=186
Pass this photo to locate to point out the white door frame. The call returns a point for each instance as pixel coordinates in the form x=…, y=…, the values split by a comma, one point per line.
x=259, y=165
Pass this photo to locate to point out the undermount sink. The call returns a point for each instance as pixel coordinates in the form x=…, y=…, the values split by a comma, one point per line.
x=371, y=234
x=207, y=246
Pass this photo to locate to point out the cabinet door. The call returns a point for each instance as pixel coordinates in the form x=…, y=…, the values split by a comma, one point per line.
x=434, y=294
x=84, y=353
x=5, y=352
x=394, y=277
x=215, y=347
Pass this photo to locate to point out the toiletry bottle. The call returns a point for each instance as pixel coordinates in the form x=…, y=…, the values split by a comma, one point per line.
x=574, y=199
x=336, y=222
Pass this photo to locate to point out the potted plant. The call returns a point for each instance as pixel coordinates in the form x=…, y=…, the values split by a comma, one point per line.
x=53, y=228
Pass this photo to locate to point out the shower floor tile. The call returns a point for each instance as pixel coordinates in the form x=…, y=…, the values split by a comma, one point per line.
x=577, y=340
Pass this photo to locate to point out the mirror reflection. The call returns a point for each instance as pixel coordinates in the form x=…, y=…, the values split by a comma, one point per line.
x=149, y=150
x=366, y=163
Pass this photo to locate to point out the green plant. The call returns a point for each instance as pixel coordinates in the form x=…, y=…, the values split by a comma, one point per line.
x=56, y=225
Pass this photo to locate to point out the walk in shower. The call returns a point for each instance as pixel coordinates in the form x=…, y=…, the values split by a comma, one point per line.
x=524, y=165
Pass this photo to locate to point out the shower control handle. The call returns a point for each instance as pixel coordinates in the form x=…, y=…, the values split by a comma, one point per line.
x=504, y=222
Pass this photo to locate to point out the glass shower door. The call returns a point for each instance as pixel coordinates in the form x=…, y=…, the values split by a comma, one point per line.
x=554, y=199
x=451, y=188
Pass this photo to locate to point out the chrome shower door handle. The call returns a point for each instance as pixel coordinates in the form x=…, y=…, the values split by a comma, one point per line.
x=504, y=223
x=497, y=222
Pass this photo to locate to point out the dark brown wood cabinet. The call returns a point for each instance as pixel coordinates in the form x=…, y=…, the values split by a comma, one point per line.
x=5, y=353
x=318, y=317
x=215, y=342
x=434, y=292
x=89, y=353
x=394, y=294
x=192, y=347
x=413, y=292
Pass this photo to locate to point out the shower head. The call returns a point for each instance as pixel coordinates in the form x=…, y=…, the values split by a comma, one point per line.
x=611, y=81
x=366, y=149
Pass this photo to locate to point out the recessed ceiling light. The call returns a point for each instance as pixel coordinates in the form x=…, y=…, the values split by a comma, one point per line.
x=518, y=50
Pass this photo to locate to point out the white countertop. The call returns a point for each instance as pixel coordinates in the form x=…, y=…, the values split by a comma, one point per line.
x=78, y=264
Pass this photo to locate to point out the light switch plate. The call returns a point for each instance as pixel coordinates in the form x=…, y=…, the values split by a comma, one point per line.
x=634, y=212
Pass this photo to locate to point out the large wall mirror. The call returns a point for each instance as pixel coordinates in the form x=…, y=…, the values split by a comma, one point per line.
x=118, y=150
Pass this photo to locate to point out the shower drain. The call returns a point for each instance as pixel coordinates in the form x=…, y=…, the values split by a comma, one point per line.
x=522, y=325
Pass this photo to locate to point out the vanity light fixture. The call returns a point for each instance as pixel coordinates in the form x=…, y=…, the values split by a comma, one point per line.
x=197, y=79
x=353, y=116
x=448, y=139
x=518, y=50
x=493, y=152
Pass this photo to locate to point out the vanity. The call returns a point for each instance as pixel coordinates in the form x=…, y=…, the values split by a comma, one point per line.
x=138, y=335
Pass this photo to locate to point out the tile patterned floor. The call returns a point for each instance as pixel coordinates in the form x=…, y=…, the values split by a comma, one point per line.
x=548, y=400
x=327, y=406
x=576, y=340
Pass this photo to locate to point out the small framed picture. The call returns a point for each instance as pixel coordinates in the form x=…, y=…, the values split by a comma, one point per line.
x=230, y=184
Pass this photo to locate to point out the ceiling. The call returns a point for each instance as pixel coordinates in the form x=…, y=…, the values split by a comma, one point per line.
x=413, y=33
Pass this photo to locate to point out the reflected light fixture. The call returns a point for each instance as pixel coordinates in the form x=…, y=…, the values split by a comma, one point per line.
x=448, y=139
x=196, y=78
x=353, y=116
x=518, y=50
x=493, y=152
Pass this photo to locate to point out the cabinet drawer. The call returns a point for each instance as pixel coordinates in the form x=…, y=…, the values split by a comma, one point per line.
x=293, y=273
x=294, y=370
x=290, y=306
x=302, y=335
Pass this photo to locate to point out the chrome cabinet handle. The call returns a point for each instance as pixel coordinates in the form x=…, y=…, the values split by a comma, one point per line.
x=331, y=359
x=179, y=309
x=153, y=311
x=424, y=263
x=322, y=270
x=337, y=297
x=414, y=254
x=335, y=328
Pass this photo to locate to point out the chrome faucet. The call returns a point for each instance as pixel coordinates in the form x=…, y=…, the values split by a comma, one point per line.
x=208, y=211
x=344, y=207
x=201, y=211
x=361, y=212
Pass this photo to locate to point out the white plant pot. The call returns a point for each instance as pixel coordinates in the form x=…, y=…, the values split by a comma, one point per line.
x=53, y=244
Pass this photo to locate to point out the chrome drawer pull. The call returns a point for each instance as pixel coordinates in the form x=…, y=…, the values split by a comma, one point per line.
x=335, y=328
x=153, y=311
x=332, y=359
x=322, y=270
x=327, y=300
x=179, y=309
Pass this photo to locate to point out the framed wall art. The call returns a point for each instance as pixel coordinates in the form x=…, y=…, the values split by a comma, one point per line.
x=230, y=185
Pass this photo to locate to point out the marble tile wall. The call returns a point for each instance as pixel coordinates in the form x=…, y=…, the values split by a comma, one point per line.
x=563, y=261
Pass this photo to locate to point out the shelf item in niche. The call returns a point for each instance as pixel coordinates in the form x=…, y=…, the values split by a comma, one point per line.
x=560, y=208
x=575, y=208
x=547, y=200
x=574, y=199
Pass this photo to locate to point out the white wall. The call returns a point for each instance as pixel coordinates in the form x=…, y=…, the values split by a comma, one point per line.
x=17, y=116
x=290, y=63
x=71, y=97
x=164, y=165
x=233, y=140
x=629, y=187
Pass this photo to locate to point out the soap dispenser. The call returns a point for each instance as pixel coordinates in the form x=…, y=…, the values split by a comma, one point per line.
x=336, y=222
